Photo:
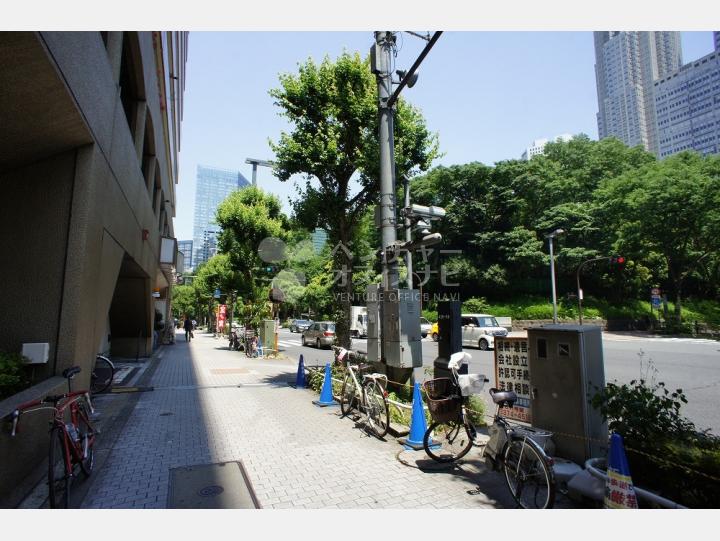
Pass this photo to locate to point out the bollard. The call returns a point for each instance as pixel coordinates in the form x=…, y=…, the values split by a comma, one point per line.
x=326, y=396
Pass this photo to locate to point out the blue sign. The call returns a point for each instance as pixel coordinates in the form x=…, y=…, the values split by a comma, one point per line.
x=217, y=293
x=655, y=300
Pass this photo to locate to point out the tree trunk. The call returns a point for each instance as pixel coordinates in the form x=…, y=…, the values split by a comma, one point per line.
x=343, y=288
x=678, y=301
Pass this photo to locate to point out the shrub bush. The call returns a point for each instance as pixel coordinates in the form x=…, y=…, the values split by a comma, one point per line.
x=13, y=374
x=475, y=305
x=667, y=454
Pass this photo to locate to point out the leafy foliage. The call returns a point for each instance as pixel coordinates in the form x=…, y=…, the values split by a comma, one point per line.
x=665, y=450
x=663, y=216
x=13, y=374
x=332, y=108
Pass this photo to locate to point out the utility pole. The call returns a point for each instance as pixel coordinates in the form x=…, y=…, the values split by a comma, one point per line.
x=381, y=51
x=408, y=238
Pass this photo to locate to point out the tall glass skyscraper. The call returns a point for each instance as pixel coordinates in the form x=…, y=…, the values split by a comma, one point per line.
x=626, y=66
x=212, y=187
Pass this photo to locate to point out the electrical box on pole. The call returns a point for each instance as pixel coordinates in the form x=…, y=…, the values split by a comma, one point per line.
x=374, y=334
x=401, y=328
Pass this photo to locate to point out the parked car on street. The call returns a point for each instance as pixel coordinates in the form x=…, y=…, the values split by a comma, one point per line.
x=320, y=334
x=425, y=327
x=480, y=330
x=300, y=325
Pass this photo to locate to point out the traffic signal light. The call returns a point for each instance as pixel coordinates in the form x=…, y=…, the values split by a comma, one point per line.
x=617, y=261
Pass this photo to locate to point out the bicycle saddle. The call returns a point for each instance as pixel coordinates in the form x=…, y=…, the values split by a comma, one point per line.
x=503, y=398
x=71, y=372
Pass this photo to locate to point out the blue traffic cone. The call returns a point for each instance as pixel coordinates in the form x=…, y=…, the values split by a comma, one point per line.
x=418, y=424
x=619, y=489
x=326, y=396
x=300, y=378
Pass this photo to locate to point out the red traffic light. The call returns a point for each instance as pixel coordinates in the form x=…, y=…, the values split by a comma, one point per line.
x=617, y=260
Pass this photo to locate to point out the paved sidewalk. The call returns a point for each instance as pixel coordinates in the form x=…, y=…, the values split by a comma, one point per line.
x=296, y=455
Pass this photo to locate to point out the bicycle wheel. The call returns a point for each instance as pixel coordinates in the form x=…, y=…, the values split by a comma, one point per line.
x=348, y=395
x=102, y=375
x=59, y=476
x=528, y=474
x=377, y=407
x=447, y=442
x=87, y=441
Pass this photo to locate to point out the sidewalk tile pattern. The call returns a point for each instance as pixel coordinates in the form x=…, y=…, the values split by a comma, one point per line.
x=297, y=455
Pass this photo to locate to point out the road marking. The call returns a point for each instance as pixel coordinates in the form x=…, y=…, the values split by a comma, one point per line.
x=620, y=338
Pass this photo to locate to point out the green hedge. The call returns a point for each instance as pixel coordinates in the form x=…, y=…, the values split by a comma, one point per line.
x=14, y=375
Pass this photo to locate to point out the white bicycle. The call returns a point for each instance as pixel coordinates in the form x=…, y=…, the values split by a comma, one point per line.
x=369, y=397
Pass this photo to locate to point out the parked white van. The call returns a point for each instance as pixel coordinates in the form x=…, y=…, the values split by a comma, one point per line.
x=480, y=330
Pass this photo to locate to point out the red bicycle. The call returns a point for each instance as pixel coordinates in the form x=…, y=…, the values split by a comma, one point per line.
x=71, y=442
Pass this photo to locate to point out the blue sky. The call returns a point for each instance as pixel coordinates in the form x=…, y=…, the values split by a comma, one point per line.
x=487, y=94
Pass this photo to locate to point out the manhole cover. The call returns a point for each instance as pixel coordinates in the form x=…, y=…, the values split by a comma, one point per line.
x=212, y=490
x=211, y=486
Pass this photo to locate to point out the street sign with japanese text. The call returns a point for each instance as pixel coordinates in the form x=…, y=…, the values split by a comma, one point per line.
x=512, y=373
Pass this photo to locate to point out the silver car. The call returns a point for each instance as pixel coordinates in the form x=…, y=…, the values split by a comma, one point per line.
x=300, y=325
x=480, y=330
x=320, y=334
x=425, y=327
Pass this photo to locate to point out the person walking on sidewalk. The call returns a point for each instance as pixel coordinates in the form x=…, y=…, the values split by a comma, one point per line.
x=188, y=326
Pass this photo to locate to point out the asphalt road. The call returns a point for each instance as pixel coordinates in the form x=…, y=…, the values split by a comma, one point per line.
x=692, y=365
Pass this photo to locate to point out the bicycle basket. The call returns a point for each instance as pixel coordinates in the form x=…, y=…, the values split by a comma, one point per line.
x=443, y=400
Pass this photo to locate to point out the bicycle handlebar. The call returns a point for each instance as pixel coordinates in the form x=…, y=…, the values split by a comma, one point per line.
x=70, y=397
x=15, y=416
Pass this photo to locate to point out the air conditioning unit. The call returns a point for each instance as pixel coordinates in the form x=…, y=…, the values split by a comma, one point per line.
x=37, y=352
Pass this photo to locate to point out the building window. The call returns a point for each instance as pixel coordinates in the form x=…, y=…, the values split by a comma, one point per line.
x=131, y=87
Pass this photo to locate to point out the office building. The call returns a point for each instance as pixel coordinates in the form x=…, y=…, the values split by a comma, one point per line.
x=88, y=167
x=212, y=187
x=538, y=145
x=716, y=38
x=626, y=66
x=319, y=239
x=185, y=247
x=687, y=104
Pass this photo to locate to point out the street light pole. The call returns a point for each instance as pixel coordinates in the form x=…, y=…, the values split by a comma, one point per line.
x=550, y=237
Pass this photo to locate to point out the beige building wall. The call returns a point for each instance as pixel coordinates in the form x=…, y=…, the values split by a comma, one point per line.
x=88, y=164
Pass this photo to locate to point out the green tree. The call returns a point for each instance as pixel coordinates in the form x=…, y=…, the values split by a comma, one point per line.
x=184, y=300
x=332, y=108
x=670, y=208
x=253, y=230
x=215, y=273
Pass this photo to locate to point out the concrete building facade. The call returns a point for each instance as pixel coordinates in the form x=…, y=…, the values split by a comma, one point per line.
x=88, y=166
x=626, y=66
x=537, y=147
x=185, y=247
x=213, y=185
x=687, y=105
